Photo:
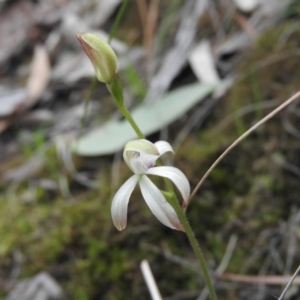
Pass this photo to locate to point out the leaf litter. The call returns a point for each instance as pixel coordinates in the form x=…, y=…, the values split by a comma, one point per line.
x=44, y=80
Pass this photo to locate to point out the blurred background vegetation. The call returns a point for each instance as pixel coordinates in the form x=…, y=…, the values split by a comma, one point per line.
x=55, y=204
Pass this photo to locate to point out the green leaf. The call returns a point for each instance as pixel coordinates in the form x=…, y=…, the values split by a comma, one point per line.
x=112, y=137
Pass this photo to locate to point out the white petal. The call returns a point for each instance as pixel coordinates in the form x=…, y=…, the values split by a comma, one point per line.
x=159, y=206
x=120, y=202
x=176, y=176
x=163, y=147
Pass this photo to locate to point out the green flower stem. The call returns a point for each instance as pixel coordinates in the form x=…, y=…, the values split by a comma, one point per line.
x=115, y=87
x=129, y=118
x=195, y=245
x=116, y=90
x=191, y=236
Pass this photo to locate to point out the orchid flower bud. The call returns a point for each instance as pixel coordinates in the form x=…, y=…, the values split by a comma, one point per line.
x=102, y=56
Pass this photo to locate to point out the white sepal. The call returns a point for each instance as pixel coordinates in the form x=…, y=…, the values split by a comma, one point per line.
x=159, y=206
x=120, y=202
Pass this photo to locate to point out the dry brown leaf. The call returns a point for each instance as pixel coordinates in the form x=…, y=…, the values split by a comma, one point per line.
x=4, y=124
x=246, y=25
x=17, y=100
x=36, y=85
x=39, y=76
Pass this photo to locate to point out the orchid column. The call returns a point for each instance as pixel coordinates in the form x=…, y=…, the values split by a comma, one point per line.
x=141, y=156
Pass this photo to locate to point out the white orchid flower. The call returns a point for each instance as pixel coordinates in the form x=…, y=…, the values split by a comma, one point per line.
x=141, y=156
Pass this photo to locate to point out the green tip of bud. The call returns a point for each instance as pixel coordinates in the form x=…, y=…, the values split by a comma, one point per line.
x=102, y=56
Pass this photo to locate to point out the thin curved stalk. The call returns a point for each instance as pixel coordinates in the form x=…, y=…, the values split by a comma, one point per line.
x=243, y=136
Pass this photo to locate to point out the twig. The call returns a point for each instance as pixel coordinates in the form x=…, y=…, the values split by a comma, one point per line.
x=150, y=26
x=289, y=284
x=243, y=136
x=269, y=280
x=151, y=284
x=142, y=8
